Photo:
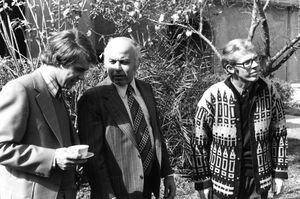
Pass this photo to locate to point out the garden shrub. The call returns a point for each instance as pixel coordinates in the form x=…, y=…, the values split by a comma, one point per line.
x=284, y=89
x=9, y=70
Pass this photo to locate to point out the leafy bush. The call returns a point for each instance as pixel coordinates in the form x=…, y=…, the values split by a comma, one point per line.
x=40, y=20
x=284, y=89
x=9, y=70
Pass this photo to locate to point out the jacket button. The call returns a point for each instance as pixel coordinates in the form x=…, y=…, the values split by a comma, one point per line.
x=142, y=177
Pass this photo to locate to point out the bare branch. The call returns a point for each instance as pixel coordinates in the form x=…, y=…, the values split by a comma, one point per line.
x=254, y=20
x=200, y=18
x=283, y=50
x=270, y=70
x=265, y=26
x=193, y=30
x=266, y=5
x=258, y=15
x=202, y=5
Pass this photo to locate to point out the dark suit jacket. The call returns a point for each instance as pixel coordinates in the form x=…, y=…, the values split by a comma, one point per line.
x=104, y=124
x=29, y=135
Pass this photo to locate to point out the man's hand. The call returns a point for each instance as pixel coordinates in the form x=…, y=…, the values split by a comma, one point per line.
x=66, y=160
x=205, y=193
x=277, y=185
x=170, y=188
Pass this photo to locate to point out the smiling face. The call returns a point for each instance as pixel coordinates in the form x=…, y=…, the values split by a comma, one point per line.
x=68, y=76
x=120, y=61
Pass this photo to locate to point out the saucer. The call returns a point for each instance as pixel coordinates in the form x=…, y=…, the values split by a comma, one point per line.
x=88, y=155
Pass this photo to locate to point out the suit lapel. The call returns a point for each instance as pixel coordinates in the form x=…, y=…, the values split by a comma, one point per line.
x=117, y=109
x=45, y=103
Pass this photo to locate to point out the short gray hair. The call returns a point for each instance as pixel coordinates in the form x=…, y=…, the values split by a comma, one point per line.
x=234, y=46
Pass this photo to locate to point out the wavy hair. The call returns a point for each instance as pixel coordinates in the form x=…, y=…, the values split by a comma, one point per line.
x=68, y=47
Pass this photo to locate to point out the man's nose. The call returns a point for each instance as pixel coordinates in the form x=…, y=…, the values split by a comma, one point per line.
x=255, y=65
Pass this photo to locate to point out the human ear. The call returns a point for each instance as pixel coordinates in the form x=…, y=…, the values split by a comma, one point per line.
x=229, y=68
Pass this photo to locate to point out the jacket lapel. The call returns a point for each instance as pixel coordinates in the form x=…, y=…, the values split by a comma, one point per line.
x=118, y=111
x=45, y=103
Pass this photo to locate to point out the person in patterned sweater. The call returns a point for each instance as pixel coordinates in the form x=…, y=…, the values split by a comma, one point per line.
x=240, y=139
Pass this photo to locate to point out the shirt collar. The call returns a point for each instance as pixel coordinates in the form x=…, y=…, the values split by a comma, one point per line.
x=122, y=89
x=259, y=85
x=51, y=82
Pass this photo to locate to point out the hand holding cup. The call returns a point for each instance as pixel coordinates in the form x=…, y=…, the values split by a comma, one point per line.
x=67, y=158
x=81, y=150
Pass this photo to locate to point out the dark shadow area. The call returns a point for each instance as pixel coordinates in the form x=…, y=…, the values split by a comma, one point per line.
x=15, y=16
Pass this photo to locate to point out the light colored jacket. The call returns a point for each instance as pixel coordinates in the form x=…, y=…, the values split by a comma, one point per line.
x=29, y=135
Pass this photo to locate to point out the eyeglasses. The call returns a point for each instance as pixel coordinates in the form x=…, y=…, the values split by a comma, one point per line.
x=248, y=63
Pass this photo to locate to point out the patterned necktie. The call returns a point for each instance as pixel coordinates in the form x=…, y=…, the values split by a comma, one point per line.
x=59, y=94
x=140, y=129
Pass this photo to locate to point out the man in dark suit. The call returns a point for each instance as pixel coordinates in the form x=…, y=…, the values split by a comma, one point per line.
x=35, y=127
x=118, y=120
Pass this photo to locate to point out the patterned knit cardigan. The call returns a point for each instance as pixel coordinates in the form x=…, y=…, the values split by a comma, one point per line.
x=217, y=142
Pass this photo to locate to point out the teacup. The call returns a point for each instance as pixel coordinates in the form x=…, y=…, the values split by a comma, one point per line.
x=80, y=149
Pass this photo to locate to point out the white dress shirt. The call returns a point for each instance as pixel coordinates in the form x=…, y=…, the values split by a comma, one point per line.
x=137, y=95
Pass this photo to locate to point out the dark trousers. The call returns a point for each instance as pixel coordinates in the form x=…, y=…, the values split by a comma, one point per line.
x=151, y=182
x=148, y=187
x=67, y=194
x=248, y=190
